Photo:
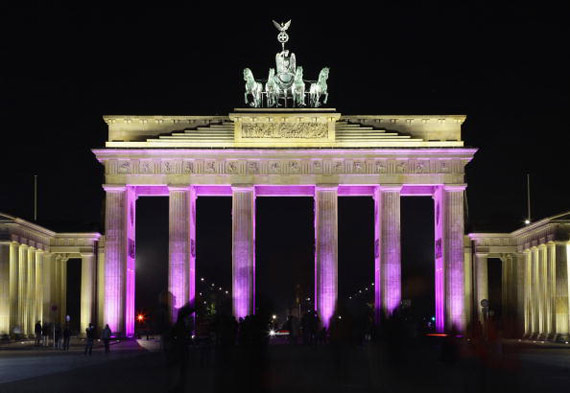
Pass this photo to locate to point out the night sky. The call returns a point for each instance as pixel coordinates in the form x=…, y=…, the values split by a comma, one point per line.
x=63, y=68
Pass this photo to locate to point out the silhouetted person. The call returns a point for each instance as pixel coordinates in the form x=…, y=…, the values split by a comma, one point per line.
x=178, y=348
x=106, y=337
x=90, y=333
x=66, y=337
x=38, y=331
x=45, y=334
x=57, y=336
x=306, y=327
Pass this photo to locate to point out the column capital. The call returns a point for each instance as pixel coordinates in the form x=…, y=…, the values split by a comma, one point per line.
x=243, y=187
x=454, y=187
x=389, y=187
x=87, y=254
x=482, y=254
x=178, y=187
x=326, y=187
x=114, y=187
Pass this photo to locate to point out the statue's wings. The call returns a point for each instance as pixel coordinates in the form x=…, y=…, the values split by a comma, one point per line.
x=282, y=26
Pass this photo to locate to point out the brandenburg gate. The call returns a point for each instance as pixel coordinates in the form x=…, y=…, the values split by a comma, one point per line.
x=284, y=143
x=259, y=152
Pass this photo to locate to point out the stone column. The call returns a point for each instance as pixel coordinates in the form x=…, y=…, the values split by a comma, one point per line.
x=47, y=285
x=387, y=231
x=182, y=252
x=535, y=292
x=519, y=317
x=119, y=259
x=482, y=283
x=31, y=290
x=39, y=286
x=551, y=259
x=243, y=250
x=23, y=288
x=470, y=297
x=453, y=232
x=528, y=311
x=14, y=285
x=326, y=251
x=63, y=289
x=562, y=250
x=438, y=261
x=101, y=282
x=543, y=287
x=4, y=288
x=88, y=272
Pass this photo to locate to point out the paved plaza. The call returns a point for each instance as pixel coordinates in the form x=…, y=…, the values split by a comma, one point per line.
x=393, y=367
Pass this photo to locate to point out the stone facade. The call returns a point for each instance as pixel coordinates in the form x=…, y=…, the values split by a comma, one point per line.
x=535, y=282
x=33, y=275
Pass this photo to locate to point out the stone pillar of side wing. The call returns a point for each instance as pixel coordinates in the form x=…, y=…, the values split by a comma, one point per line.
x=326, y=251
x=562, y=253
x=4, y=287
x=482, y=285
x=87, y=294
x=243, y=250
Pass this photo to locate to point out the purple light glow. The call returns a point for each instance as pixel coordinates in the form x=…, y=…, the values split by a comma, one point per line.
x=326, y=252
x=389, y=210
x=115, y=255
x=377, y=267
x=179, y=247
x=192, y=250
x=131, y=256
x=243, y=251
x=439, y=272
x=453, y=254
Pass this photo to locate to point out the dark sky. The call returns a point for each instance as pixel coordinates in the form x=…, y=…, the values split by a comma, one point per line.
x=63, y=68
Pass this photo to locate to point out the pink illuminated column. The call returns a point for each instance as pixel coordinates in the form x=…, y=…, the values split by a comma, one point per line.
x=387, y=249
x=326, y=251
x=243, y=250
x=182, y=247
x=120, y=259
x=449, y=264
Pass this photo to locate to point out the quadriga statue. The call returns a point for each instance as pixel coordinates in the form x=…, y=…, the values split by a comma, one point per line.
x=252, y=88
x=319, y=89
x=272, y=89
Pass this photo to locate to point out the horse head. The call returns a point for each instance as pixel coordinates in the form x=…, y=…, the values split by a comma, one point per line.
x=247, y=75
x=324, y=74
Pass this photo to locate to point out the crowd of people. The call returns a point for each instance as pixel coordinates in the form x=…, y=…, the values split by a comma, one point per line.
x=55, y=335
x=52, y=335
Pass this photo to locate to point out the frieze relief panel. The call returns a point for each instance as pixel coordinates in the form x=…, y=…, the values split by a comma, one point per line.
x=280, y=130
x=276, y=166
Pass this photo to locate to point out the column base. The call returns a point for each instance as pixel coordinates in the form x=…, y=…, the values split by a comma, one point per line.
x=561, y=338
